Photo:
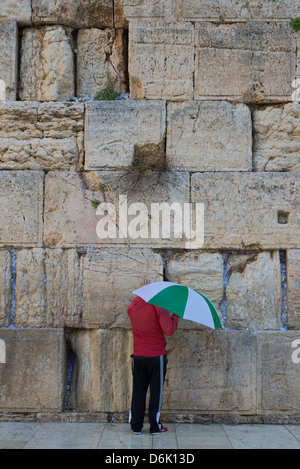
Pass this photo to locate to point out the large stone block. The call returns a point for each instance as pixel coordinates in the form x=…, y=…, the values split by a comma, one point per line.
x=249, y=211
x=211, y=371
x=101, y=61
x=18, y=10
x=202, y=271
x=209, y=136
x=226, y=11
x=277, y=138
x=147, y=9
x=248, y=62
x=74, y=13
x=87, y=288
x=293, y=288
x=161, y=60
x=254, y=296
x=5, y=287
x=69, y=218
x=278, y=377
x=48, y=288
x=119, y=134
x=33, y=377
x=41, y=135
x=9, y=57
x=75, y=214
x=21, y=208
x=101, y=378
x=47, y=64
x=109, y=277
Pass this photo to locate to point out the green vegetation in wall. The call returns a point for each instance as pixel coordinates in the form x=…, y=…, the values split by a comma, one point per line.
x=295, y=22
x=107, y=94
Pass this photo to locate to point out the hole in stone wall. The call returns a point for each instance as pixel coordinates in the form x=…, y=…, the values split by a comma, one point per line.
x=71, y=359
x=74, y=40
x=283, y=274
x=125, y=57
x=149, y=157
x=18, y=77
x=13, y=286
x=226, y=275
x=283, y=217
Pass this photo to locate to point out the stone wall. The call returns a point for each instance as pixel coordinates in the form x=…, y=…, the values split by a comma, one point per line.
x=209, y=114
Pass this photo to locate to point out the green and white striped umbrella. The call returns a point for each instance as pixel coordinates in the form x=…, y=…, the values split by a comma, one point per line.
x=181, y=300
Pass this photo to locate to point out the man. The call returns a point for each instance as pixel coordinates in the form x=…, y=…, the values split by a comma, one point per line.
x=149, y=361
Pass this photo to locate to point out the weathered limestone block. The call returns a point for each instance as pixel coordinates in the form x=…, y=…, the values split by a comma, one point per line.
x=254, y=297
x=209, y=136
x=248, y=62
x=211, y=371
x=120, y=134
x=18, y=10
x=47, y=64
x=101, y=61
x=249, y=211
x=226, y=11
x=101, y=378
x=131, y=198
x=30, y=289
x=147, y=9
x=48, y=288
x=63, y=269
x=154, y=202
x=74, y=13
x=161, y=60
x=69, y=217
x=5, y=287
x=41, y=135
x=33, y=377
x=293, y=288
x=69, y=288
x=278, y=376
x=277, y=138
x=9, y=57
x=21, y=206
x=109, y=277
x=202, y=271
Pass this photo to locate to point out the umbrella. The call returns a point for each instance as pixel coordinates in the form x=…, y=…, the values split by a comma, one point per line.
x=181, y=300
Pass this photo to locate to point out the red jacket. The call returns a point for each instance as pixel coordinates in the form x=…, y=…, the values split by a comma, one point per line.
x=149, y=324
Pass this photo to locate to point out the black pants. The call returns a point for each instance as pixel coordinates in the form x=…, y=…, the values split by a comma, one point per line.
x=147, y=371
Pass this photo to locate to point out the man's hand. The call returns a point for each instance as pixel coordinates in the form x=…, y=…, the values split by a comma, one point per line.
x=145, y=282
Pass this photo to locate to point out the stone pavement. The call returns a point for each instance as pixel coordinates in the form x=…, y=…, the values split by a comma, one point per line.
x=60, y=435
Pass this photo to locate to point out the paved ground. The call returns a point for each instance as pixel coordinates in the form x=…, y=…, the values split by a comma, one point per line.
x=52, y=435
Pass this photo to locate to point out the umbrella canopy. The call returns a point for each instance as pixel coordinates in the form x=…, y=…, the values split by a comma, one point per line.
x=181, y=300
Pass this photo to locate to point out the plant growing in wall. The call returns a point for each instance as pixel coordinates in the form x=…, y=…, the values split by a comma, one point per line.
x=95, y=203
x=107, y=94
x=295, y=22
